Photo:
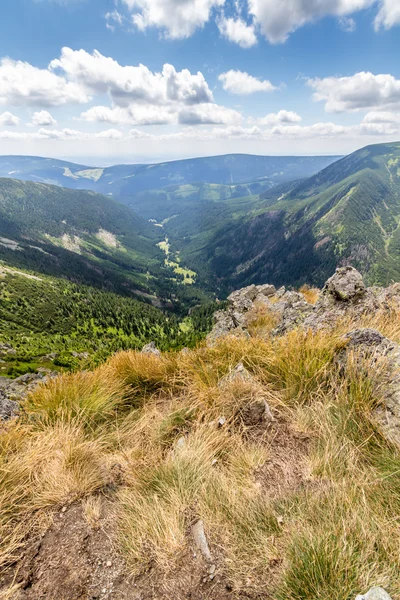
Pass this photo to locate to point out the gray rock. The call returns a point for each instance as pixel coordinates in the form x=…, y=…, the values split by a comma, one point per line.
x=151, y=349
x=345, y=285
x=376, y=593
x=372, y=345
x=200, y=540
x=293, y=310
x=13, y=391
x=266, y=290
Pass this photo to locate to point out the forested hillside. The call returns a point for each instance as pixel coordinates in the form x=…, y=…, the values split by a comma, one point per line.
x=347, y=213
x=49, y=322
x=87, y=238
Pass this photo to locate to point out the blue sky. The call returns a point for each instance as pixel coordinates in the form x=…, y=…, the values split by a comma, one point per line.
x=130, y=80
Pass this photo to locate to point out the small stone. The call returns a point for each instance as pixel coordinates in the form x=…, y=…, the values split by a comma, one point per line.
x=64, y=509
x=212, y=569
x=375, y=593
x=181, y=443
x=201, y=540
x=109, y=563
x=221, y=421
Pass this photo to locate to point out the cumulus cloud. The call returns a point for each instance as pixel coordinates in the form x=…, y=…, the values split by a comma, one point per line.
x=278, y=20
x=131, y=115
x=42, y=118
x=241, y=83
x=138, y=95
x=99, y=74
x=7, y=119
x=177, y=18
x=154, y=115
x=381, y=117
x=275, y=19
x=283, y=116
x=237, y=30
x=23, y=84
x=360, y=91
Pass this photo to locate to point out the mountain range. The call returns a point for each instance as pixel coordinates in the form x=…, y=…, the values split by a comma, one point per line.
x=124, y=180
x=196, y=226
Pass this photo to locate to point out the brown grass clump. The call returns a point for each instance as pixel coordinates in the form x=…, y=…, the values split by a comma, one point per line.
x=310, y=294
x=163, y=437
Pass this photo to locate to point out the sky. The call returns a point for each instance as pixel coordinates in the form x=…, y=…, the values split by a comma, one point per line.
x=106, y=81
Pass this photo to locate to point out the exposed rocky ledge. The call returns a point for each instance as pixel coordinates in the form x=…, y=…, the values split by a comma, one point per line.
x=343, y=295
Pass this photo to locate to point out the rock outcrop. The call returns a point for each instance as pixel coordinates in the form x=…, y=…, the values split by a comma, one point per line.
x=343, y=295
x=13, y=391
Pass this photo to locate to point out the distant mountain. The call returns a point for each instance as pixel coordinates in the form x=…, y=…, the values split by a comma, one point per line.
x=80, y=235
x=125, y=181
x=297, y=233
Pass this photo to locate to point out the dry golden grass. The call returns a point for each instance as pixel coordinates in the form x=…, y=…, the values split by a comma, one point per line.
x=310, y=294
x=150, y=426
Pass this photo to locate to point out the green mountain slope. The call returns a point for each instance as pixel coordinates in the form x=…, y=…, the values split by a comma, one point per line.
x=79, y=235
x=347, y=213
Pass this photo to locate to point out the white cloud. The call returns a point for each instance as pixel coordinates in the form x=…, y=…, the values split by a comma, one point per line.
x=241, y=83
x=199, y=114
x=275, y=19
x=131, y=115
x=110, y=134
x=205, y=114
x=24, y=84
x=278, y=19
x=237, y=30
x=283, y=116
x=388, y=15
x=128, y=84
x=381, y=117
x=360, y=91
x=347, y=24
x=177, y=18
x=42, y=118
x=7, y=119
x=113, y=19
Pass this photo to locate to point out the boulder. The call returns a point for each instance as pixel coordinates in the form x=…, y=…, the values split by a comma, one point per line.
x=346, y=285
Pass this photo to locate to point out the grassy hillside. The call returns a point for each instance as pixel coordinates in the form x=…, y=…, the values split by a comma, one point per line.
x=108, y=476
x=347, y=213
